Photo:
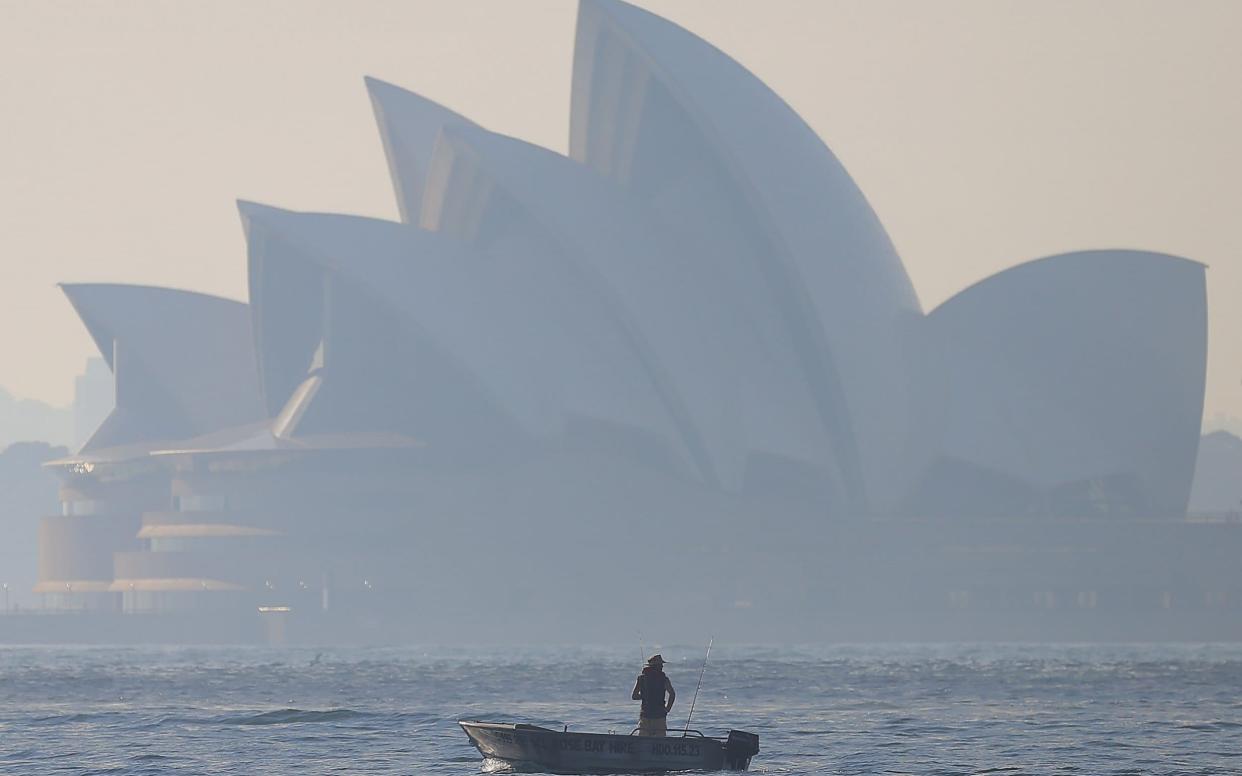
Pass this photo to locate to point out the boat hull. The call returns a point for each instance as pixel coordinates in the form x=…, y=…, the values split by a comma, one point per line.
x=530, y=746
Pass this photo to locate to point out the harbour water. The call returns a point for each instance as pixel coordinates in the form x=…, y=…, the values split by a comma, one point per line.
x=832, y=709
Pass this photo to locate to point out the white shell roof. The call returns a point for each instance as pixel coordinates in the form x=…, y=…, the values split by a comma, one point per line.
x=1075, y=367
x=409, y=125
x=184, y=362
x=700, y=277
x=502, y=317
x=721, y=383
x=648, y=95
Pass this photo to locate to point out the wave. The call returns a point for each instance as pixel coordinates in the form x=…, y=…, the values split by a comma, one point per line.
x=61, y=719
x=294, y=716
x=1211, y=726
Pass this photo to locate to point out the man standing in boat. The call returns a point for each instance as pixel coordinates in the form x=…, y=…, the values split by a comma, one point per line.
x=650, y=688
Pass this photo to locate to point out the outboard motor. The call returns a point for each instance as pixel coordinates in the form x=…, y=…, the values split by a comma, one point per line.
x=739, y=748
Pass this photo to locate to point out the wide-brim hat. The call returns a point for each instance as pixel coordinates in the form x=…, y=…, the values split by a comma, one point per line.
x=655, y=660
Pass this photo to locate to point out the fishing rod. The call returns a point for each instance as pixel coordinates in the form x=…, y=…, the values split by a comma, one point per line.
x=700, y=684
x=642, y=648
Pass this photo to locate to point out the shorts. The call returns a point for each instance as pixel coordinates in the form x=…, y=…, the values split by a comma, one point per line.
x=652, y=726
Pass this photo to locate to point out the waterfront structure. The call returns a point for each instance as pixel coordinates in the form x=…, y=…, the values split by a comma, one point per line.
x=693, y=327
x=183, y=365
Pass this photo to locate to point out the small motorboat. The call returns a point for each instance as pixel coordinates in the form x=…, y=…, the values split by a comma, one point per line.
x=530, y=747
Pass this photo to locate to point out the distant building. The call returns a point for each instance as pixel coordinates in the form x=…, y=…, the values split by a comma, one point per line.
x=680, y=373
x=93, y=396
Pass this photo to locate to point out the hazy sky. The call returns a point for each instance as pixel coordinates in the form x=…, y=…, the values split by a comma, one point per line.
x=984, y=133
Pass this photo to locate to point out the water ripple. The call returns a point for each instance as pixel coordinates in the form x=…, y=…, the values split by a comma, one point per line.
x=937, y=710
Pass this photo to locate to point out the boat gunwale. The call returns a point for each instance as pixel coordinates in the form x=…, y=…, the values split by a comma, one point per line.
x=523, y=727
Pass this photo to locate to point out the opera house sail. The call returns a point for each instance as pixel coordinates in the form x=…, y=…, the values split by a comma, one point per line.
x=1070, y=385
x=681, y=364
x=763, y=205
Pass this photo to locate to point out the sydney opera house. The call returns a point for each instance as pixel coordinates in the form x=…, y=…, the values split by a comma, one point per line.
x=680, y=374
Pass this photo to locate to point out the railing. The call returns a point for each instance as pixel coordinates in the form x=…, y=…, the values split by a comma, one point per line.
x=686, y=732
